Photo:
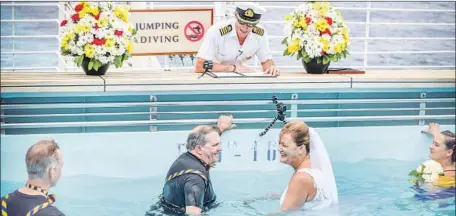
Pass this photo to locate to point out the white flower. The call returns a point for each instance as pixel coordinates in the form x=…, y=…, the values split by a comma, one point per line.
x=314, y=38
x=77, y=44
x=431, y=170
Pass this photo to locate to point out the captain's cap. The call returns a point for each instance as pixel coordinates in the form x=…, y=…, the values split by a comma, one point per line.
x=249, y=12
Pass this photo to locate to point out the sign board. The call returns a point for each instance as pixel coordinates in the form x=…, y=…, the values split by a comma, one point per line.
x=170, y=31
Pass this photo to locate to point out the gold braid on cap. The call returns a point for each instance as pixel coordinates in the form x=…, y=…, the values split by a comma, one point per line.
x=249, y=13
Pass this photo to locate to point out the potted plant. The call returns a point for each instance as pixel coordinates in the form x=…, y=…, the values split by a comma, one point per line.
x=97, y=34
x=317, y=34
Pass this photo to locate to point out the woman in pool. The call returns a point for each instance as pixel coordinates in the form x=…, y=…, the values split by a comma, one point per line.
x=313, y=184
x=443, y=151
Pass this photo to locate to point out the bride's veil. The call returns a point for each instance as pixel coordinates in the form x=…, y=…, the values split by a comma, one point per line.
x=320, y=160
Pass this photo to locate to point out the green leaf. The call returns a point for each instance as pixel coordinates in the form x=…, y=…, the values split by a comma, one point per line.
x=79, y=60
x=64, y=51
x=286, y=53
x=304, y=54
x=319, y=61
x=125, y=56
x=91, y=64
x=325, y=59
x=134, y=32
x=413, y=173
x=299, y=55
x=118, y=61
x=307, y=59
x=420, y=179
x=97, y=65
x=284, y=41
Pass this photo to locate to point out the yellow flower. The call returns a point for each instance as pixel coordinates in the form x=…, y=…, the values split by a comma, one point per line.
x=322, y=25
x=293, y=46
x=296, y=24
x=288, y=17
x=84, y=11
x=102, y=22
x=340, y=47
x=64, y=44
x=109, y=42
x=325, y=44
x=121, y=13
x=303, y=23
x=345, y=33
x=89, y=51
x=81, y=28
x=66, y=40
x=68, y=37
x=95, y=11
x=322, y=7
x=129, y=47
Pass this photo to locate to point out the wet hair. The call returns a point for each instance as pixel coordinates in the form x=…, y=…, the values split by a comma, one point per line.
x=198, y=136
x=450, y=143
x=40, y=157
x=299, y=131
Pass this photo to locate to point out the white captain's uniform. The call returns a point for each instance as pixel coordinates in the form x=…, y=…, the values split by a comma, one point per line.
x=221, y=44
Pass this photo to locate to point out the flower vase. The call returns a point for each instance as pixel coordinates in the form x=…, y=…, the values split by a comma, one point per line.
x=92, y=72
x=313, y=67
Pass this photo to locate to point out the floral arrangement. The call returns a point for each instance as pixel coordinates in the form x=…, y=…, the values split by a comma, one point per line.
x=314, y=30
x=98, y=31
x=427, y=172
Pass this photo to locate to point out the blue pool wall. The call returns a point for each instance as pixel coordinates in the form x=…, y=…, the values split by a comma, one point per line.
x=146, y=154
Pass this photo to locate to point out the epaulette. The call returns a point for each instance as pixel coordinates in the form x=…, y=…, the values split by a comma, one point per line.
x=258, y=31
x=225, y=30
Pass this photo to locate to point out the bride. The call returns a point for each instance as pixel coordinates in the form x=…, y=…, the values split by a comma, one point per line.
x=313, y=184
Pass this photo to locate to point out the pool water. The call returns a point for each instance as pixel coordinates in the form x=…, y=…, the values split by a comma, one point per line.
x=366, y=187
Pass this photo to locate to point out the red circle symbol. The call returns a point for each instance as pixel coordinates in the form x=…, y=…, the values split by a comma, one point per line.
x=194, y=31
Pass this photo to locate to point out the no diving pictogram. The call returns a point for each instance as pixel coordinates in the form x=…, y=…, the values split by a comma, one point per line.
x=194, y=31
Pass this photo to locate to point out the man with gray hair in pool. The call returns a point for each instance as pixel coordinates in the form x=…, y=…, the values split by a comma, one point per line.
x=188, y=188
x=44, y=162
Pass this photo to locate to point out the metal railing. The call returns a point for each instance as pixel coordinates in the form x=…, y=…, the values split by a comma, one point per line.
x=222, y=103
x=221, y=13
x=51, y=114
x=212, y=121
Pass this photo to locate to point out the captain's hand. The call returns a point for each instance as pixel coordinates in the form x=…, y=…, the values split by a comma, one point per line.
x=244, y=69
x=273, y=70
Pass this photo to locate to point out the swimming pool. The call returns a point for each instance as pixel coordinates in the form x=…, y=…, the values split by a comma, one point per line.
x=118, y=145
x=123, y=173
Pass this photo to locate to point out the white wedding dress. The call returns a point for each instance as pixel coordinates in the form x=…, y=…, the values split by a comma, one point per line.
x=322, y=174
x=322, y=198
